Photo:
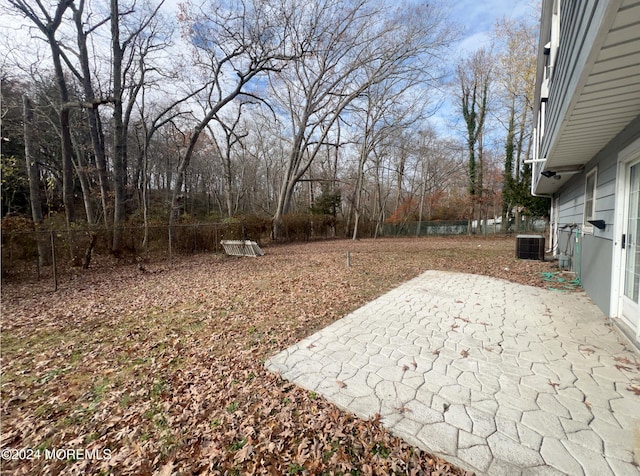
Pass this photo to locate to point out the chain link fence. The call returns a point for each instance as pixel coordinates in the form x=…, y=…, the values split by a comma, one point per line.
x=43, y=254
x=461, y=227
x=29, y=253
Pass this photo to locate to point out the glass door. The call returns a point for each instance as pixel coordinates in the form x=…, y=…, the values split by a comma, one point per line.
x=631, y=248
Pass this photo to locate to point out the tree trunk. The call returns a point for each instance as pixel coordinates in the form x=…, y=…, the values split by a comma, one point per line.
x=33, y=172
x=400, y=179
x=118, y=132
x=228, y=193
x=359, y=187
x=33, y=175
x=378, y=201
x=95, y=125
x=48, y=27
x=480, y=182
x=81, y=171
x=67, y=160
x=508, y=178
x=67, y=169
x=289, y=182
x=98, y=152
x=145, y=197
x=421, y=207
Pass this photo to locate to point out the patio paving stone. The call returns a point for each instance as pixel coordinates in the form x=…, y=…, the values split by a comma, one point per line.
x=496, y=377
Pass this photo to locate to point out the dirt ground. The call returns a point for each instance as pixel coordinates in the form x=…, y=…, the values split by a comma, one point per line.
x=158, y=368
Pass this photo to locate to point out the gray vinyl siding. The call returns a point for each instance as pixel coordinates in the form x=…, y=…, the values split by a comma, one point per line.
x=572, y=201
x=592, y=257
x=596, y=270
x=596, y=249
x=579, y=24
x=607, y=162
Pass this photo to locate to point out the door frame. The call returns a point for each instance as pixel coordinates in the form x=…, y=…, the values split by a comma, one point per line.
x=627, y=155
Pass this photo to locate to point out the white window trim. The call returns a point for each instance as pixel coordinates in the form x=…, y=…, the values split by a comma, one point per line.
x=587, y=227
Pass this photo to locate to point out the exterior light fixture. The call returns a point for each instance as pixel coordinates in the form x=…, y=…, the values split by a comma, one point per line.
x=558, y=172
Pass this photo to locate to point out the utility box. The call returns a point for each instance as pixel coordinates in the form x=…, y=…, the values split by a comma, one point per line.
x=564, y=262
x=530, y=247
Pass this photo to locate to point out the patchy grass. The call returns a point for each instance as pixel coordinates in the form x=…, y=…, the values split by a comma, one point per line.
x=165, y=368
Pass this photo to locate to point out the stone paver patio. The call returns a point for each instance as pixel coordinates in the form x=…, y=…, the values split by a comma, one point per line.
x=496, y=377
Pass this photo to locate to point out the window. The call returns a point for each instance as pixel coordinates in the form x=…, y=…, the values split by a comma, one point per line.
x=554, y=44
x=551, y=47
x=590, y=200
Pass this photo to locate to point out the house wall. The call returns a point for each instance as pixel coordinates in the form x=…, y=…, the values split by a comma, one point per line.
x=594, y=260
x=579, y=24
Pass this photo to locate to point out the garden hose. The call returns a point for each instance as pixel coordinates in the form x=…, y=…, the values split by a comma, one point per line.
x=564, y=285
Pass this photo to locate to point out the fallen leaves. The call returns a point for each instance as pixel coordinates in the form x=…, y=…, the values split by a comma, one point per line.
x=626, y=364
x=634, y=389
x=163, y=365
x=623, y=367
x=244, y=453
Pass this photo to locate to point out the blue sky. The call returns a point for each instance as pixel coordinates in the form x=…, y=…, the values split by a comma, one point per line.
x=478, y=18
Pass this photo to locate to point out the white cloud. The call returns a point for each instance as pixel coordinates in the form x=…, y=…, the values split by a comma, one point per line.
x=474, y=42
x=478, y=18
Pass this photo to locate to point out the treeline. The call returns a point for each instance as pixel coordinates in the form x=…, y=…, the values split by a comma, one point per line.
x=127, y=113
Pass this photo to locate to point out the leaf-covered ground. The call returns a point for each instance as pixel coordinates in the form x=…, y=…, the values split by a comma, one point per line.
x=159, y=368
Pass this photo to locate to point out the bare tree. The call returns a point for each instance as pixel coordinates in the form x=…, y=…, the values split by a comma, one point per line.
x=133, y=37
x=351, y=46
x=378, y=123
x=84, y=75
x=161, y=117
x=48, y=22
x=156, y=106
x=233, y=133
x=33, y=174
x=232, y=47
x=267, y=148
x=441, y=165
x=475, y=74
x=127, y=82
x=517, y=40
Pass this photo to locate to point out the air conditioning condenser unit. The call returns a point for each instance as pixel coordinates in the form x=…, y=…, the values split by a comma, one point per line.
x=530, y=247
